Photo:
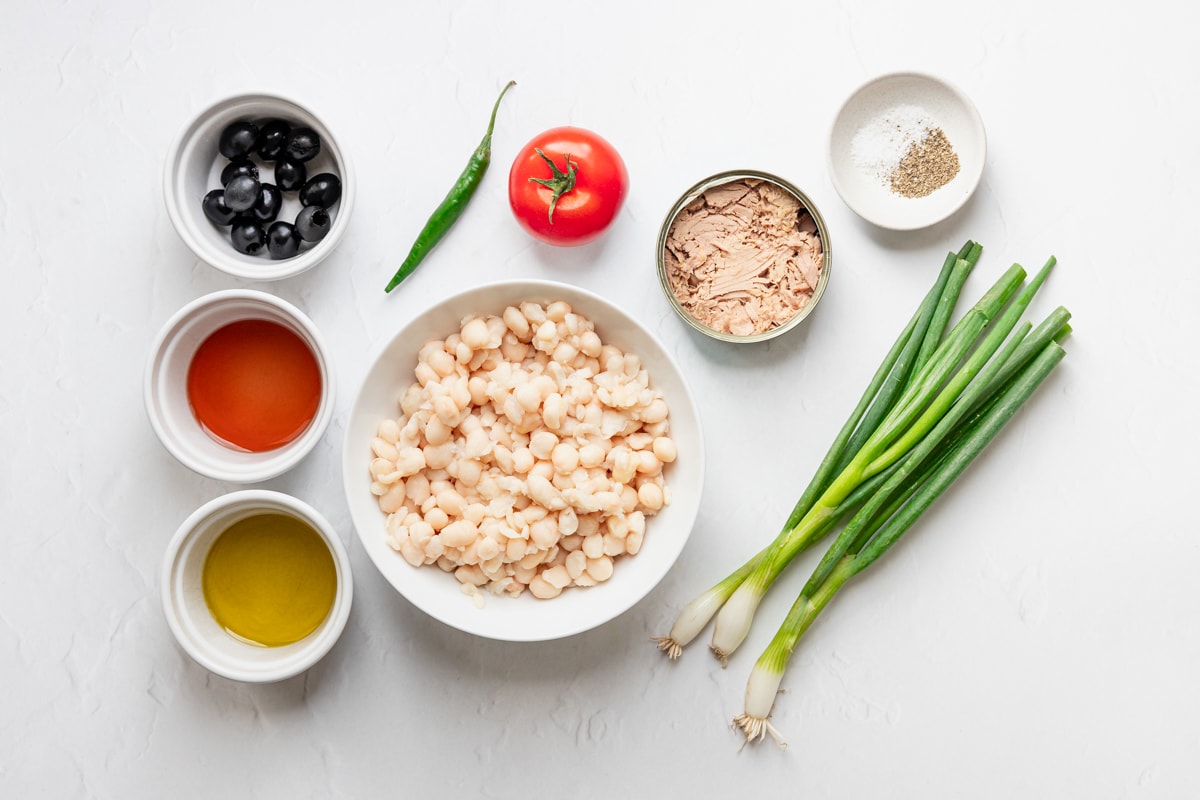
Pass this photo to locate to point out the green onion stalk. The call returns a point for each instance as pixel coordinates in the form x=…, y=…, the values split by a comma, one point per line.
x=935, y=402
x=907, y=422
x=904, y=358
x=878, y=526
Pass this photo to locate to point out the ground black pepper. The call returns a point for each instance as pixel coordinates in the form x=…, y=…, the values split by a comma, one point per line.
x=927, y=166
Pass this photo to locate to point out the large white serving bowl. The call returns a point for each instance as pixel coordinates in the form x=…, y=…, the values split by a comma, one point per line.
x=524, y=618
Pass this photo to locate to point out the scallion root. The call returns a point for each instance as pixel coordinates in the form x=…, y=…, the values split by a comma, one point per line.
x=672, y=648
x=755, y=729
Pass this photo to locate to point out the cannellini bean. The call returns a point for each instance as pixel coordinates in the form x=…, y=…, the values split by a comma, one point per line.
x=543, y=469
x=650, y=495
x=442, y=362
x=437, y=518
x=588, y=524
x=664, y=449
x=544, y=532
x=576, y=564
x=516, y=322
x=600, y=568
x=379, y=489
x=488, y=549
x=542, y=492
x=541, y=444
x=564, y=353
x=410, y=461
x=393, y=500
x=648, y=463
x=593, y=545
x=459, y=533
x=620, y=462
x=439, y=457
x=629, y=499
x=533, y=312
x=564, y=457
x=527, y=395
x=514, y=550
x=475, y=334
x=420, y=532
x=451, y=502
x=477, y=388
x=655, y=412
x=558, y=310
x=469, y=472
x=542, y=589
x=608, y=502
x=478, y=444
x=533, y=558
x=434, y=550
x=568, y=522
x=557, y=576
x=381, y=467
x=425, y=374
x=471, y=575
x=613, y=545
x=522, y=459
x=385, y=449
x=436, y=431
x=389, y=430
x=633, y=543
x=591, y=455
x=412, y=554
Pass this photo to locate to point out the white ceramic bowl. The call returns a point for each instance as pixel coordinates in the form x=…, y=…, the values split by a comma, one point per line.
x=187, y=612
x=165, y=388
x=946, y=107
x=524, y=618
x=193, y=168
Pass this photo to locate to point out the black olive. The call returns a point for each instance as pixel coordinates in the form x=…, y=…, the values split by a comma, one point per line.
x=302, y=144
x=289, y=175
x=238, y=139
x=216, y=210
x=270, y=200
x=247, y=236
x=271, y=137
x=238, y=166
x=241, y=193
x=321, y=190
x=312, y=223
x=282, y=240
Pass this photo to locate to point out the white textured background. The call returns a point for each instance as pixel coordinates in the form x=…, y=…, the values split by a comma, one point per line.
x=1035, y=636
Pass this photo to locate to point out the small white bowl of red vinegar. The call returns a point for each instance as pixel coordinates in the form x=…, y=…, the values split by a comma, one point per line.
x=239, y=386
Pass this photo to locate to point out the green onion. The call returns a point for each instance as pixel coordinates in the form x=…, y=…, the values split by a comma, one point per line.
x=890, y=378
x=904, y=425
x=935, y=402
x=877, y=533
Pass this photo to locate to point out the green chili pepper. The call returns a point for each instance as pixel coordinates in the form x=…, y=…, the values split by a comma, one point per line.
x=451, y=208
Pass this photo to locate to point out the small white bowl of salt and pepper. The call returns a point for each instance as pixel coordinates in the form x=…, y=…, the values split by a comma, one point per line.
x=906, y=150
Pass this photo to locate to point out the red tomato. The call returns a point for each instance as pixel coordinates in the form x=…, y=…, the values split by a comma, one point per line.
x=570, y=192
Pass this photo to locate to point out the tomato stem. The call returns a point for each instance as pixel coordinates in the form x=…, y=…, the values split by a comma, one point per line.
x=560, y=182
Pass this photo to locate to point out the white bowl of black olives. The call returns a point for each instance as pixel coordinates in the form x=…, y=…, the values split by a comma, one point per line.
x=257, y=187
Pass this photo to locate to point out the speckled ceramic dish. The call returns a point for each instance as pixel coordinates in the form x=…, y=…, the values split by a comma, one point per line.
x=875, y=130
x=193, y=168
x=187, y=611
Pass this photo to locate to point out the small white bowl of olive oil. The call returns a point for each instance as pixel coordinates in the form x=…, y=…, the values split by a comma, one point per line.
x=256, y=586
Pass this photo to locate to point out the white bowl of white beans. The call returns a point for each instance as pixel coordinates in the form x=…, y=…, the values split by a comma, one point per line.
x=523, y=461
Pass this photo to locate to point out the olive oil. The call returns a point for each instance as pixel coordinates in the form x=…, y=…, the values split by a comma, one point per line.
x=269, y=580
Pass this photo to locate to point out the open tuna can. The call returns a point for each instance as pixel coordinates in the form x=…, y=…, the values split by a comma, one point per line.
x=743, y=256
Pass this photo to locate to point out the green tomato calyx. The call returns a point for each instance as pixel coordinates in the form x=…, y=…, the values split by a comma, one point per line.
x=560, y=182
